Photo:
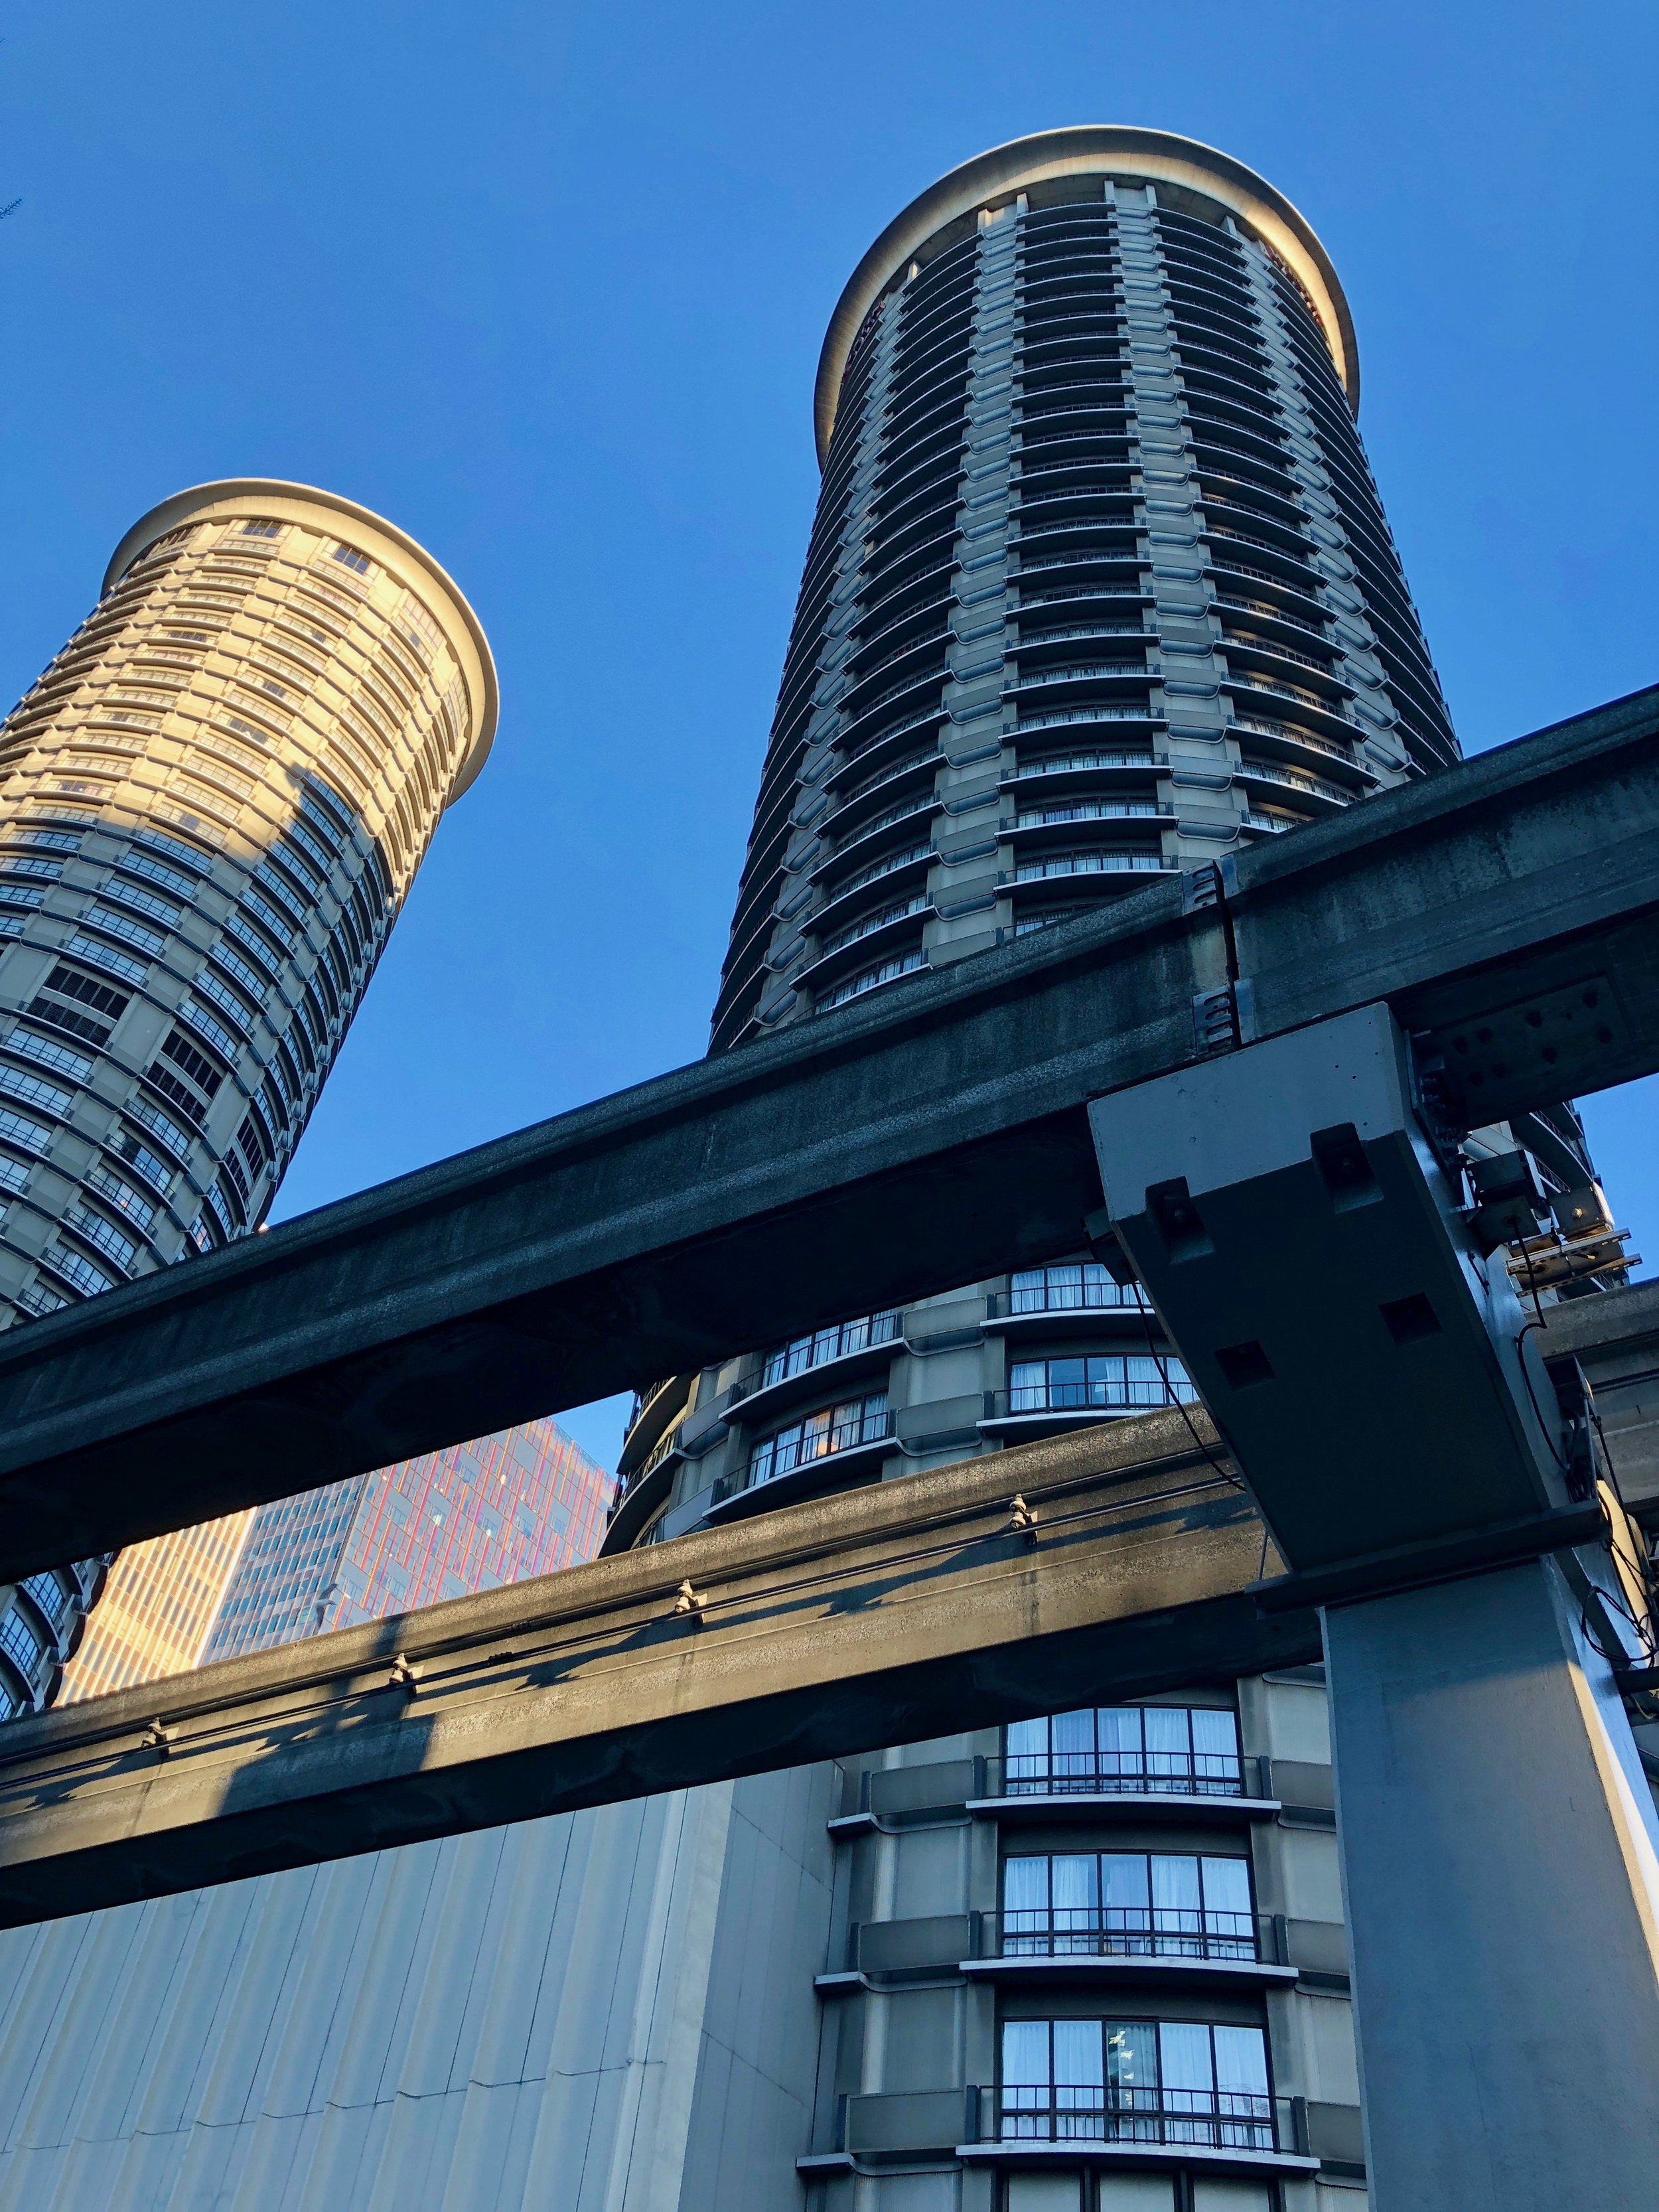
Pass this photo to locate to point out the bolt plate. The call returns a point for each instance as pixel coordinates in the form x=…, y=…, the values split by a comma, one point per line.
x=1555, y=1038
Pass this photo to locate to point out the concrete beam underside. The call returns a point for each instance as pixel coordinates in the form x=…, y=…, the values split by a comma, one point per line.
x=893, y=1612
x=884, y=1153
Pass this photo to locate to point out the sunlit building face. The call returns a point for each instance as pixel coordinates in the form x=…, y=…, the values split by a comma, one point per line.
x=212, y=805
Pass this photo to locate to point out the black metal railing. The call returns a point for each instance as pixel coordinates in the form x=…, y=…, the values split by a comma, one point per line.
x=1220, y=2119
x=1122, y=1931
x=1113, y=1774
x=1081, y=1296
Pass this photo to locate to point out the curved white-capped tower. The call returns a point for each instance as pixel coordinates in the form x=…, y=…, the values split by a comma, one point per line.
x=212, y=805
x=1099, y=584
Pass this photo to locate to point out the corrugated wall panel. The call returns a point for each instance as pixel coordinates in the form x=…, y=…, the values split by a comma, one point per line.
x=605, y=2012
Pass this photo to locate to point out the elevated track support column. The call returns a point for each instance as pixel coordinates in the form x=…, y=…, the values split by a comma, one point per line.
x=1502, y=1889
x=1304, y=1237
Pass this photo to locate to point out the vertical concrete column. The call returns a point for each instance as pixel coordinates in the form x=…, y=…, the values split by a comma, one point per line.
x=1200, y=786
x=965, y=883
x=1502, y=1886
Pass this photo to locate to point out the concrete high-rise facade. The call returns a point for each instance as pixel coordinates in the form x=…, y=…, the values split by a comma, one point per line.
x=527, y=1501
x=1086, y=414
x=212, y=805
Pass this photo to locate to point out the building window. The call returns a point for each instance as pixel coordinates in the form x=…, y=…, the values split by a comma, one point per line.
x=78, y=1273
x=1078, y=1288
x=1127, y=1904
x=19, y=1644
x=809, y=1352
x=1097, y=1383
x=1168, y=2081
x=349, y=556
x=49, y=1593
x=835, y=1429
x=1190, y=1752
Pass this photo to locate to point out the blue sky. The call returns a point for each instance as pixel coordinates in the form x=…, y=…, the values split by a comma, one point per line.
x=546, y=285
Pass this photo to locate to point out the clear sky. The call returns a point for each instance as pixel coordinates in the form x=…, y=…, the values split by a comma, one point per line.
x=545, y=284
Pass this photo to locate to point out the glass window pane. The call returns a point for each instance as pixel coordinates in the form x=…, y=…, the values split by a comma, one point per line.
x=1241, y=2060
x=1132, y=2055
x=1077, y=2054
x=1121, y=1756
x=1025, y=1886
x=1167, y=1739
x=1184, y=2055
x=1073, y=1736
x=1215, y=1751
x=1075, y=1879
x=1215, y=1734
x=1027, y=1741
x=1226, y=1886
x=1175, y=1884
x=1123, y=1880
x=1025, y=2053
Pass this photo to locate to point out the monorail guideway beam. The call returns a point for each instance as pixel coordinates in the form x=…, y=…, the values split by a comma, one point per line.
x=1380, y=1388
x=1509, y=911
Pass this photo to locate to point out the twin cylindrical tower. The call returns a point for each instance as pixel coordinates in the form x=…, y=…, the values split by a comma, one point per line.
x=1099, y=584
x=212, y=805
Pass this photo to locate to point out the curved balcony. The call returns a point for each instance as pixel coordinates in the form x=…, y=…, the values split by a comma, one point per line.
x=1035, y=828
x=1226, y=2131
x=903, y=871
x=882, y=932
x=1068, y=771
x=917, y=662
x=907, y=820
x=1100, y=593
x=1300, y=748
x=844, y=1452
x=1105, y=573
x=1117, y=534
x=878, y=743
x=1079, y=1389
x=1267, y=664
x=1274, y=698
x=1307, y=609
x=1065, y=1946
x=1224, y=531
x=906, y=782
x=1276, y=618
x=1067, y=637
x=1084, y=716
x=825, y=1359
x=920, y=764
x=1084, y=1289
x=1086, y=677
x=1324, y=798
x=655, y=1409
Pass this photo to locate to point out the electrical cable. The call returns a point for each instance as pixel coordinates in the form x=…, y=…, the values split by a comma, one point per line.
x=1233, y=1481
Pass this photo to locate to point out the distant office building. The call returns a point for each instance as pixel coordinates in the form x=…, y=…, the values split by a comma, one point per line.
x=212, y=805
x=157, y=1608
x=506, y=1507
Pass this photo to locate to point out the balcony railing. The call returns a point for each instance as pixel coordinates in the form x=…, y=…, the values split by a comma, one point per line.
x=1125, y=1931
x=1108, y=1397
x=1215, y=2119
x=806, y=1352
x=1122, y=1773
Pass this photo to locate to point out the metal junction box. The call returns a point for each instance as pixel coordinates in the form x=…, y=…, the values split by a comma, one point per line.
x=1304, y=1249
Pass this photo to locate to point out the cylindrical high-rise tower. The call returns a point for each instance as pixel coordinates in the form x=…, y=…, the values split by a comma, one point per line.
x=212, y=805
x=1099, y=587
x=1099, y=583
